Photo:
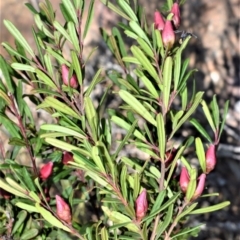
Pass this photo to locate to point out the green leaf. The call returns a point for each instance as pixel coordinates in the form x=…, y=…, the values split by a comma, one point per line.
x=199, y=127
x=157, y=204
x=59, y=106
x=97, y=160
x=186, y=211
x=188, y=231
x=61, y=29
x=41, y=26
x=200, y=153
x=127, y=9
x=66, y=146
x=77, y=67
x=50, y=218
x=48, y=81
x=58, y=57
x=141, y=35
x=137, y=53
x=4, y=96
x=70, y=9
x=137, y=106
x=6, y=75
x=226, y=105
x=145, y=47
x=29, y=234
x=215, y=111
x=208, y=115
x=126, y=138
x=161, y=135
x=211, y=208
x=57, y=128
x=197, y=100
x=89, y=18
x=73, y=36
x=123, y=181
x=22, y=67
x=18, y=36
x=91, y=116
x=166, y=222
x=167, y=79
x=147, y=83
x=118, y=218
x=96, y=79
x=115, y=9
x=26, y=207
x=192, y=183
x=21, y=217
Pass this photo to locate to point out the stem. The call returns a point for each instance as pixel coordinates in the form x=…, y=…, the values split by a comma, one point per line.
x=167, y=237
x=24, y=134
x=161, y=188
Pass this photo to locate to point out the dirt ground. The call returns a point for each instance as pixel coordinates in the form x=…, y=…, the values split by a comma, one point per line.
x=216, y=53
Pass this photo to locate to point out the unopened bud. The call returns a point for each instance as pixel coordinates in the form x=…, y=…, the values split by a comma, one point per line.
x=63, y=210
x=169, y=156
x=46, y=170
x=158, y=21
x=141, y=205
x=176, y=17
x=200, y=186
x=184, y=179
x=168, y=35
x=73, y=82
x=67, y=157
x=211, y=159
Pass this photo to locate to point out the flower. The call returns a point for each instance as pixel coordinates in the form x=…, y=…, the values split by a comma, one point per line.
x=63, y=210
x=46, y=170
x=200, y=186
x=67, y=157
x=158, y=21
x=168, y=35
x=141, y=205
x=73, y=82
x=211, y=158
x=184, y=179
x=176, y=15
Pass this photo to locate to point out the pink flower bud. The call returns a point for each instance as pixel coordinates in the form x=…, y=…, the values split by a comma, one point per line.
x=200, y=186
x=67, y=157
x=158, y=21
x=211, y=158
x=184, y=179
x=73, y=82
x=46, y=170
x=63, y=210
x=176, y=17
x=141, y=205
x=168, y=35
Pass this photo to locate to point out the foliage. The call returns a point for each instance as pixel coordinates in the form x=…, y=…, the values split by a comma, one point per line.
x=133, y=198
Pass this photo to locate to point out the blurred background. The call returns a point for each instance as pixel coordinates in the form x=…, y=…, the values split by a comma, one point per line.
x=215, y=53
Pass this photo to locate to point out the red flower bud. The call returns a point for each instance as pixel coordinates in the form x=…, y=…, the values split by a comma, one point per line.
x=141, y=205
x=168, y=35
x=211, y=158
x=73, y=82
x=158, y=21
x=63, y=210
x=176, y=17
x=170, y=155
x=46, y=170
x=67, y=157
x=184, y=179
x=200, y=186
x=5, y=194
